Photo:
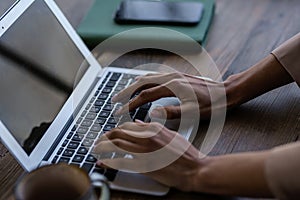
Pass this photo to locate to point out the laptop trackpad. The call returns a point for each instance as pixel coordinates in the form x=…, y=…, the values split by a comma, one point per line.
x=168, y=101
x=185, y=129
x=138, y=183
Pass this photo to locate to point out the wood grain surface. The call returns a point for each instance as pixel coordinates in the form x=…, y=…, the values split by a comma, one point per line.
x=242, y=33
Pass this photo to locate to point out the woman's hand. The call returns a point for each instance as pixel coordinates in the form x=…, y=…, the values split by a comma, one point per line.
x=180, y=164
x=195, y=93
x=155, y=151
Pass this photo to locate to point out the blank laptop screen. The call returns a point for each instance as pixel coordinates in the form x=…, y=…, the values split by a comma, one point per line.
x=29, y=103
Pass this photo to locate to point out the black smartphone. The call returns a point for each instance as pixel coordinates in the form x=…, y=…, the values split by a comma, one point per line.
x=159, y=12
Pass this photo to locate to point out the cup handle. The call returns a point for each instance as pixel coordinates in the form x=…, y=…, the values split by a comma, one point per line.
x=99, y=179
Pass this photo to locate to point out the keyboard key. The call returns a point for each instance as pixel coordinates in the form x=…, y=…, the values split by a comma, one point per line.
x=104, y=114
x=108, y=74
x=115, y=76
x=78, y=158
x=114, y=93
x=119, y=88
x=103, y=96
x=112, y=121
x=88, y=106
x=91, y=135
x=65, y=143
x=87, y=167
x=99, y=103
x=129, y=76
x=83, y=113
x=123, y=82
x=73, y=145
x=108, y=127
x=100, y=121
x=83, y=150
x=92, y=99
x=96, y=93
x=82, y=130
x=60, y=150
x=96, y=128
x=101, y=86
x=68, y=153
x=79, y=120
x=69, y=136
x=87, y=142
x=107, y=90
x=74, y=128
x=108, y=107
x=91, y=158
x=95, y=109
x=77, y=138
x=54, y=160
x=63, y=159
x=91, y=116
x=86, y=123
x=110, y=84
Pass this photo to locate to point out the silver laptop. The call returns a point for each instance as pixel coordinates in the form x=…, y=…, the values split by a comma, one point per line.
x=43, y=124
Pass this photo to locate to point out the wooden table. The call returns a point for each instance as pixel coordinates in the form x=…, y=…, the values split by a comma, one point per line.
x=243, y=32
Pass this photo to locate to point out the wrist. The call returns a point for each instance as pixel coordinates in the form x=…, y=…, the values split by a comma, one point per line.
x=199, y=179
x=233, y=92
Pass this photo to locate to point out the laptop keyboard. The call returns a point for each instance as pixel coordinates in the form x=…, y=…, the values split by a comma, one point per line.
x=96, y=119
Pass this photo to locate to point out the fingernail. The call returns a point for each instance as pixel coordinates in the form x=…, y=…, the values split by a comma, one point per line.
x=155, y=113
x=139, y=121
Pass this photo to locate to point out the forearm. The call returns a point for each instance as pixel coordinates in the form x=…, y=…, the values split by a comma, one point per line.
x=266, y=75
x=236, y=174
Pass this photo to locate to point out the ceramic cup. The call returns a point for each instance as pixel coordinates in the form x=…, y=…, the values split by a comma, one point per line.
x=60, y=181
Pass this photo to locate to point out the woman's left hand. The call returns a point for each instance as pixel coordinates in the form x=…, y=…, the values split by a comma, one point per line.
x=154, y=150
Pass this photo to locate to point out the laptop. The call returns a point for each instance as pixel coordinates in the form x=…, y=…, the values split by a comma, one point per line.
x=38, y=32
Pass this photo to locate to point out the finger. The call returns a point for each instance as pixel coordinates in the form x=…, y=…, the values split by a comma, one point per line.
x=143, y=82
x=133, y=126
x=119, y=146
x=125, y=94
x=117, y=133
x=122, y=164
x=139, y=121
x=146, y=96
x=169, y=112
x=173, y=112
x=134, y=133
x=149, y=74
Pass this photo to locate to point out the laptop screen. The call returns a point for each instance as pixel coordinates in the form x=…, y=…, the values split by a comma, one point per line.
x=29, y=102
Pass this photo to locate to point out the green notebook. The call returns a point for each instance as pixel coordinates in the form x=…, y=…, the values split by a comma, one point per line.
x=99, y=25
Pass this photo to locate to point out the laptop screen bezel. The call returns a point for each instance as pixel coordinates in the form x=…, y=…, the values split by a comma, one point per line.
x=30, y=162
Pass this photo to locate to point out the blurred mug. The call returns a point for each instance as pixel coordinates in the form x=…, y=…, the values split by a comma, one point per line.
x=60, y=181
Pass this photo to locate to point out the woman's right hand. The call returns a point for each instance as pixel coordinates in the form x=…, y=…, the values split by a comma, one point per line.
x=195, y=93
